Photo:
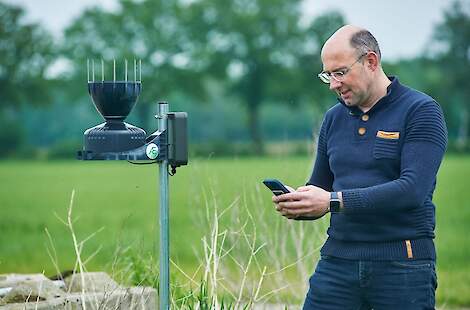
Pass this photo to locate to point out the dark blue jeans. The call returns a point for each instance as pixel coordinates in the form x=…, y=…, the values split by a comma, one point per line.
x=380, y=285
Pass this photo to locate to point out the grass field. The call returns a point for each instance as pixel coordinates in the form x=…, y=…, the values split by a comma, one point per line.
x=119, y=202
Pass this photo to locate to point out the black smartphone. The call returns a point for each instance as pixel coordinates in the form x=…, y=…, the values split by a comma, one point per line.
x=276, y=186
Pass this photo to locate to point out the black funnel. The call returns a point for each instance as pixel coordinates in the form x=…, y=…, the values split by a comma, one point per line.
x=114, y=100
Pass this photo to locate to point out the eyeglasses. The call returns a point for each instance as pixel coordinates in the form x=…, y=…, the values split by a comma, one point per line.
x=339, y=75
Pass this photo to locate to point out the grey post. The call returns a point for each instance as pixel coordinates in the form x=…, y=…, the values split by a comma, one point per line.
x=164, y=218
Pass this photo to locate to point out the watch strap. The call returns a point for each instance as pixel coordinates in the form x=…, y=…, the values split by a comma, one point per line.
x=334, y=202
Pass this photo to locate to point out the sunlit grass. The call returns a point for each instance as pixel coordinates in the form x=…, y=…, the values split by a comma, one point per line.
x=122, y=198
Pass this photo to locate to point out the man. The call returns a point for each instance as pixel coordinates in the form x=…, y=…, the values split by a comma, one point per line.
x=379, y=151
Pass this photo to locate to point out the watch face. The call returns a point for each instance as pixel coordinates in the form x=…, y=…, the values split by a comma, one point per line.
x=334, y=205
x=334, y=202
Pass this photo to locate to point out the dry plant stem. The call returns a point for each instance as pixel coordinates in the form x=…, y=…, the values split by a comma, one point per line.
x=278, y=249
x=296, y=232
x=53, y=256
x=92, y=255
x=261, y=269
x=260, y=282
x=78, y=247
x=39, y=294
x=251, y=244
x=213, y=250
x=250, y=241
x=295, y=263
x=242, y=246
x=114, y=264
x=185, y=274
x=273, y=292
x=215, y=260
x=77, y=250
x=91, y=235
x=29, y=296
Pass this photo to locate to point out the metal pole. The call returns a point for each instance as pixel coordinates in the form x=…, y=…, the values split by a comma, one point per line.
x=164, y=218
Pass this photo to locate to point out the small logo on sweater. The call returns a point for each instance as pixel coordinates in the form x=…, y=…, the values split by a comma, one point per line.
x=393, y=135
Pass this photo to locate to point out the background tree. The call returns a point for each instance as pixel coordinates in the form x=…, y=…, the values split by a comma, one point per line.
x=26, y=50
x=452, y=41
x=261, y=49
x=247, y=61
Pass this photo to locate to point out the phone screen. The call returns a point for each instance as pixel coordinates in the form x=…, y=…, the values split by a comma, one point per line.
x=276, y=186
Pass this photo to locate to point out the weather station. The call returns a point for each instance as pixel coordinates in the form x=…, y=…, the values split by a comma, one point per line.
x=117, y=140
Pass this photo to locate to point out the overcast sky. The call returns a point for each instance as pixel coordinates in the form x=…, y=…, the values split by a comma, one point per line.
x=402, y=27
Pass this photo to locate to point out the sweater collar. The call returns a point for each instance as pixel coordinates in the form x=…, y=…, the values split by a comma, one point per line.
x=392, y=93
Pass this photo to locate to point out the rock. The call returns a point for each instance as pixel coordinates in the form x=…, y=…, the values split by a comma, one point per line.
x=10, y=280
x=134, y=298
x=31, y=291
x=36, y=292
x=94, y=282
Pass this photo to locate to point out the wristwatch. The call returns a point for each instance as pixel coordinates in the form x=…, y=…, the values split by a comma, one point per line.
x=334, y=202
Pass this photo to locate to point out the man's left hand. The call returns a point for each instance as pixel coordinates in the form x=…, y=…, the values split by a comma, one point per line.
x=305, y=201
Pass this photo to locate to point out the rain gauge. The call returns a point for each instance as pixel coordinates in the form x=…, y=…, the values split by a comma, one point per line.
x=117, y=140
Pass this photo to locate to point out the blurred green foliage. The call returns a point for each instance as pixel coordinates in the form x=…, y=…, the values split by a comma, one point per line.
x=242, y=69
x=26, y=51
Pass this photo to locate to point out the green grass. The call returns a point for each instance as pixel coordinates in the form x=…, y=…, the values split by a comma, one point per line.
x=453, y=230
x=122, y=198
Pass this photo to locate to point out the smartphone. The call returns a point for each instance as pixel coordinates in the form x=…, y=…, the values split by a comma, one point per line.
x=276, y=186
x=278, y=189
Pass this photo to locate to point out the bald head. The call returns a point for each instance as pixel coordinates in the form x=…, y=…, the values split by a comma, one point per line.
x=351, y=39
x=351, y=67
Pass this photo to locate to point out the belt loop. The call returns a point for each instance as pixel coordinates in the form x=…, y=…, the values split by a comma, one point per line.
x=409, y=250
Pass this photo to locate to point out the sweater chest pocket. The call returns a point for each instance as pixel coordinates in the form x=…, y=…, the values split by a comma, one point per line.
x=386, y=148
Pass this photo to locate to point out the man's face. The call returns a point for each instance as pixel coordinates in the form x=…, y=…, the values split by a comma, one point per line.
x=354, y=85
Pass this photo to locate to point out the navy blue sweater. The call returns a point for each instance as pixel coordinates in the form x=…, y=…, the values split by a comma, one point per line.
x=385, y=163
